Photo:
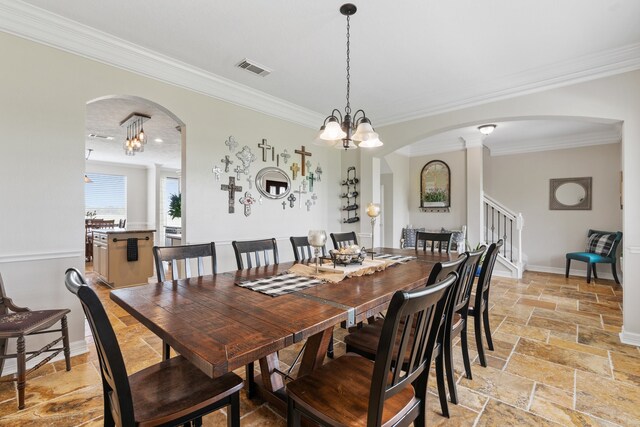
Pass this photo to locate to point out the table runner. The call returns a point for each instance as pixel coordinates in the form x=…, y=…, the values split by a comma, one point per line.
x=281, y=284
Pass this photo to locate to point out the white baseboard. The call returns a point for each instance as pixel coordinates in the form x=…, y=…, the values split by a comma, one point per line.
x=572, y=272
x=75, y=348
x=630, y=338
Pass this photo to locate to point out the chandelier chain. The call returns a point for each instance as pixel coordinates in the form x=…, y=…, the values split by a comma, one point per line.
x=348, y=107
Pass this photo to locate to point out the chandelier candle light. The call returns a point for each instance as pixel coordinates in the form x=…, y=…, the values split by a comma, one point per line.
x=136, y=138
x=373, y=210
x=317, y=239
x=350, y=129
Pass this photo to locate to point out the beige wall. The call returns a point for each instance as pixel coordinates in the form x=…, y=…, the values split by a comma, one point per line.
x=521, y=182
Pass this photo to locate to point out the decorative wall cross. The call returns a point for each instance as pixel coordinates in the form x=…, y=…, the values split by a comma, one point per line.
x=231, y=143
x=304, y=184
x=308, y=164
x=246, y=157
x=250, y=182
x=291, y=199
x=238, y=170
x=318, y=173
x=285, y=156
x=266, y=147
x=303, y=156
x=294, y=170
x=226, y=162
x=284, y=205
x=308, y=204
x=314, y=197
x=216, y=170
x=300, y=192
x=311, y=180
x=247, y=201
x=231, y=189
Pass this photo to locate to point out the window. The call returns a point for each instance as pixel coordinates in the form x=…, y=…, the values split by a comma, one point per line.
x=171, y=186
x=106, y=195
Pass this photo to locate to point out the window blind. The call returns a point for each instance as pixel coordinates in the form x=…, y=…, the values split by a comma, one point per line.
x=106, y=196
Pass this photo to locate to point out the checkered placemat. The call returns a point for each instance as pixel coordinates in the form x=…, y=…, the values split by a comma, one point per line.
x=280, y=285
x=396, y=258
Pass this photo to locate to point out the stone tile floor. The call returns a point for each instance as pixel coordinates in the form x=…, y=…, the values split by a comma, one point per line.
x=557, y=360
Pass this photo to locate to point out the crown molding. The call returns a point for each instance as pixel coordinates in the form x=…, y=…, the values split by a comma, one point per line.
x=550, y=144
x=563, y=73
x=32, y=23
x=436, y=147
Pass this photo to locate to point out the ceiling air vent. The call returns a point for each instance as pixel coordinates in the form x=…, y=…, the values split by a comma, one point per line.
x=253, y=68
x=95, y=136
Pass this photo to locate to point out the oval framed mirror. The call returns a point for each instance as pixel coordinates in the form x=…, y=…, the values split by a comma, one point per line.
x=570, y=193
x=435, y=185
x=273, y=183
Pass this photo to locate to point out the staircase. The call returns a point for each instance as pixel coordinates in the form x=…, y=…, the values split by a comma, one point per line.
x=501, y=222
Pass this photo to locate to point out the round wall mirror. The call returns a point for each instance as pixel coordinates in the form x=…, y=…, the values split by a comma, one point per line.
x=273, y=183
x=570, y=194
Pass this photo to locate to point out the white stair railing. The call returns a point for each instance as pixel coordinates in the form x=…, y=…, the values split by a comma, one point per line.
x=501, y=222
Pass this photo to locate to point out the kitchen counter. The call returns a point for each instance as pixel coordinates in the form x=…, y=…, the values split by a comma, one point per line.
x=113, y=260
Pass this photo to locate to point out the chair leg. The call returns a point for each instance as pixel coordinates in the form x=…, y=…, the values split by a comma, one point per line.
x=465, y=351
x=614, y=270
x=420, y=387
x=293, y=416
x=65, y=342
x=487, y=328
x=233, y=412
x=3, y=351
x=251, y=383
x=442, y=391
x=595, y=273
x=566, y=273
x=448, y=363
x=22, y=368
x=477, y=326
x=588, y=272
x=166, y=351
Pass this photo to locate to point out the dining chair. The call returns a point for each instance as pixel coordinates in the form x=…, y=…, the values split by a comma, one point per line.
x=171, y=255
x=422, y=237
x=601, y=248
x=353, y=390
x=255, y=249
x=343, y=239
x=480, y=309
x=302, y=250
x=20, y=322
x=456, y=321
x=171, y=393
x=364, y=341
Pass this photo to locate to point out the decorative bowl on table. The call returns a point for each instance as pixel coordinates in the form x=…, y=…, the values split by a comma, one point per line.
x=348, y=255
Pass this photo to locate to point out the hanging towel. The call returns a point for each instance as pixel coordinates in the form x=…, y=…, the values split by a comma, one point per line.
x=132, y=249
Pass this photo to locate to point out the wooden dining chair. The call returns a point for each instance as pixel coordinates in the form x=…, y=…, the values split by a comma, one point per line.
x=171, y=255
x=20, y=322
x=364, y=341
x=171, y=393
x=456, y=321
x=343, y=239
x=442, y=239
x=302, y=250
x=352, y=390
x=255, y=249
x=480, y=309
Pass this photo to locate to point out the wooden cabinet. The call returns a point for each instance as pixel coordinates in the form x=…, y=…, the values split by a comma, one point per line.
x=110, y=257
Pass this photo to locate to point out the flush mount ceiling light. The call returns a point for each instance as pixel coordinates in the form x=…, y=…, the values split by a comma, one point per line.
x=136, y=138
x=487, y=129
x=349, y=129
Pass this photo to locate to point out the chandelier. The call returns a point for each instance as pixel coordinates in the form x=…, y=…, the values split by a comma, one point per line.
x=136, y=138
x=350, y=129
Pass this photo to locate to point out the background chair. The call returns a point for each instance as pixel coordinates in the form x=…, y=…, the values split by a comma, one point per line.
x=302, y=250
x=442, y=239
x=396, y=396
x=19, y=322
x=257, y=248
x=343, y=239
x=185, y=253
x=170, y=393
x=595, y=255
x=480, y=309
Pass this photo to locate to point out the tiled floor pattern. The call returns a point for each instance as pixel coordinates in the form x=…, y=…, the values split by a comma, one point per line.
x=557, y=361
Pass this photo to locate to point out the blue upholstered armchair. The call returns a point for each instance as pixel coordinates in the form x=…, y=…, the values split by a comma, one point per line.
x=601, y=249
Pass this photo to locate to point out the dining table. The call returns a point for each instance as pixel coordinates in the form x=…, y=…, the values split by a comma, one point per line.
x=220, y=326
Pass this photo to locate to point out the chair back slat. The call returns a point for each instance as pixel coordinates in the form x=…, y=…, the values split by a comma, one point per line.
x=421, y=308
x=341, y=240
x=302, y=250
x=115, y=381
x=484, y=281
x=3, y=308
x=442, y=239
x=255, y=248
x=185, y=253
x=467, y=274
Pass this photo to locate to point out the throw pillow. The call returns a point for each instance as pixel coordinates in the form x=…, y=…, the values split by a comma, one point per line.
x=601, y=244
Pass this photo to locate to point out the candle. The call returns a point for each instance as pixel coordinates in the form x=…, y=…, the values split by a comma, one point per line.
x=373, y=210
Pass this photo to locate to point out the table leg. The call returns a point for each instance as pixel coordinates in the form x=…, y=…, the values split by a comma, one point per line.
x=271, y=380
x=315, y=351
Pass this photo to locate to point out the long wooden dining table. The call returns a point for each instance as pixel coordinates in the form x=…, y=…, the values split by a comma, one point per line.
x=219, y=326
